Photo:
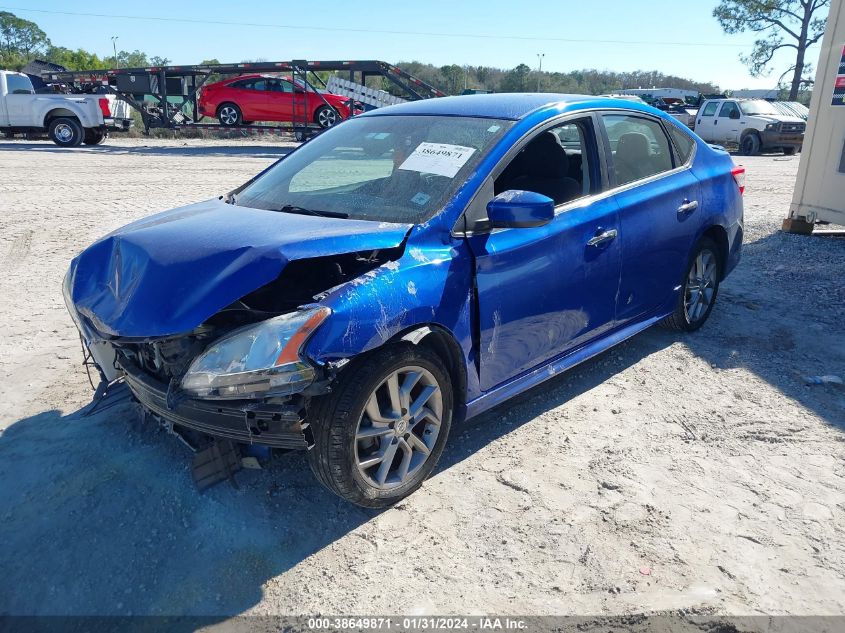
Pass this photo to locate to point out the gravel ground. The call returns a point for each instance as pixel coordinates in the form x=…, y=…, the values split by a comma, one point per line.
x=693, y=473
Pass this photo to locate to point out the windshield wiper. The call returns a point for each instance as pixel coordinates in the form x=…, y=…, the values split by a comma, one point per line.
x=290, y=208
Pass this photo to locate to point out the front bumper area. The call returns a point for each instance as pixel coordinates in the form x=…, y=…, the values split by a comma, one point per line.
x=775, y=139
x=279, y=426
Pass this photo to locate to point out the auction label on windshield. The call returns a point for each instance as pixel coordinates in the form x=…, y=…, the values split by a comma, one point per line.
x=441, y=159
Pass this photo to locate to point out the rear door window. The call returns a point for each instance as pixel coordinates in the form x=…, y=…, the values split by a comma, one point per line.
x=729, y=108
x=683, y=142
x=639, y=147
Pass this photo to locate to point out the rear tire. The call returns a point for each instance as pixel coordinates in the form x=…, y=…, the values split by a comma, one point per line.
x=95, y=137
x=789, y=151
x=698, y=293
x=66, y=132
x=229, y=114
x=363, y=447
x=750, y=145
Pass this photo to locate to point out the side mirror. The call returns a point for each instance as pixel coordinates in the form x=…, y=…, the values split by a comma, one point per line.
x=516, y=209
x=735, y=114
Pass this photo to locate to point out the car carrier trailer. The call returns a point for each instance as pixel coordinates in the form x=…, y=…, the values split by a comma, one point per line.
x=175, y=88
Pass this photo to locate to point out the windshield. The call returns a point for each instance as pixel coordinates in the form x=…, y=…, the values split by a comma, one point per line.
x=387, y=168
x=758, y=106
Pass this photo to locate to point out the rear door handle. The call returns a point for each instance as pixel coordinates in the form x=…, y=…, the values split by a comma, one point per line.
x=688, y=207
x=602, y=237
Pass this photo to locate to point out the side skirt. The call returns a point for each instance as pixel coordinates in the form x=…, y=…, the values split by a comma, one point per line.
x=561, y=363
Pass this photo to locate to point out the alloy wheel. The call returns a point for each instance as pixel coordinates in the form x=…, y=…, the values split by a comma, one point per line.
x=700, y=286
x=399, y=427
x=228, y=115
x=327, y=117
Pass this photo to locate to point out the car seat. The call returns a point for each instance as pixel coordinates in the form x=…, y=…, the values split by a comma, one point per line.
x=542, y=167
x=633, y=159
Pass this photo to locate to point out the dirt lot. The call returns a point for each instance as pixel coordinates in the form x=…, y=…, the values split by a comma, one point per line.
x=674, y=472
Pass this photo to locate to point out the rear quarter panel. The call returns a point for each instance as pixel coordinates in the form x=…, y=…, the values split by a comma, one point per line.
x=86, y=109
x=721, y=202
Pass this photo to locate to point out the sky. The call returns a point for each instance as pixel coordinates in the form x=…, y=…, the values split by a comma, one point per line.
x=677, y=38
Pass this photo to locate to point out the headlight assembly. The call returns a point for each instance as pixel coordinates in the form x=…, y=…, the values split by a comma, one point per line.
x=257, y=360
x=771, y=127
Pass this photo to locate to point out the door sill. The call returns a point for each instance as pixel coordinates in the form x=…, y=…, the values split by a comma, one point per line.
x=565, y=361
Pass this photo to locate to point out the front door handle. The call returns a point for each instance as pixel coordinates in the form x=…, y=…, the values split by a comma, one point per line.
x=602, y=237
x=688, y=207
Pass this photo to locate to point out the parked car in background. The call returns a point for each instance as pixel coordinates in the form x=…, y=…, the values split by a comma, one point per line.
x=754, y=124
x=677, y=108
x=468, y=249
x=69, y=120
x=248, y=98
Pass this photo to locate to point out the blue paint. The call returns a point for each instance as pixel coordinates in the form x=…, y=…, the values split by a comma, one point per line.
x=521, y=303
x=168, y=273
x=520, y=209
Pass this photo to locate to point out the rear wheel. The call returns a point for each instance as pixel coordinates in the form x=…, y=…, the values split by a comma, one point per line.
x=229, y=114
x=380, y=433
x=788, y=151
x=749, y=145
x=95, y=137
x=326, y=116
x=701, y=285
x=66, y=132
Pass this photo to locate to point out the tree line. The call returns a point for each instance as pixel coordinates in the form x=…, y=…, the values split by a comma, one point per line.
x=454, y=79
x=21, y=41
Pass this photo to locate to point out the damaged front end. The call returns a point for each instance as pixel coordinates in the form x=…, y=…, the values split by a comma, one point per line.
x=239, y=372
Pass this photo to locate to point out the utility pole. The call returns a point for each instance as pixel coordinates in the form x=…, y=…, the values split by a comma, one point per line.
x=114, y=48
x=540, y=57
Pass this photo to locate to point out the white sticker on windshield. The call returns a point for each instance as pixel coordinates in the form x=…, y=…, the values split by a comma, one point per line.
x=437, y=158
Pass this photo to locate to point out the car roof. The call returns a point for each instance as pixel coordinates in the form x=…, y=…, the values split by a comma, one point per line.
x=512, y=106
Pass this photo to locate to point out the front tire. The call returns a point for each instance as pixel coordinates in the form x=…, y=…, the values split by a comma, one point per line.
x=229, y=114
x=66, y=132
x=749, y=145
x=326, y=117
x=701, y=285
x=379, y=434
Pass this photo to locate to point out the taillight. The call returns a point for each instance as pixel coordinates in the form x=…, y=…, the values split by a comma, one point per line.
x=105, y=108
x=739, y=176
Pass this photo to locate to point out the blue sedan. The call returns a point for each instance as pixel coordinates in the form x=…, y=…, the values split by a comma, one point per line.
x=405, y=270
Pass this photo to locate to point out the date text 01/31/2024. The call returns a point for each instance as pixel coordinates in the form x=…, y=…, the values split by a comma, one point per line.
x=418, y=623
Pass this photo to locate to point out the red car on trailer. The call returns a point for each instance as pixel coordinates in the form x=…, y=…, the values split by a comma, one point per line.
x=248, y=98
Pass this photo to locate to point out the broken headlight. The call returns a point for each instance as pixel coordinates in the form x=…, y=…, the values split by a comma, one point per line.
x=257, y=360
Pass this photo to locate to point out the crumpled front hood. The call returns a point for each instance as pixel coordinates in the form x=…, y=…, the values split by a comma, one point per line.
x=168, y=273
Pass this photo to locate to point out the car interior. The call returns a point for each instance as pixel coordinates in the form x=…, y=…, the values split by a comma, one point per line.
x=633, y=158
x=551, y=164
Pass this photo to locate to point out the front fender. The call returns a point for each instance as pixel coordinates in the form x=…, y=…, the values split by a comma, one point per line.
x=430, y=286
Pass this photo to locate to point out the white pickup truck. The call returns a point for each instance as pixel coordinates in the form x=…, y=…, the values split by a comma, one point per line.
x=69, y=120
x=754, y=124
